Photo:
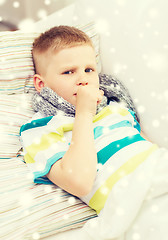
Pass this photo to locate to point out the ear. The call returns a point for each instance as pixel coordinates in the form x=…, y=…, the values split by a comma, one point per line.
x=38, y=82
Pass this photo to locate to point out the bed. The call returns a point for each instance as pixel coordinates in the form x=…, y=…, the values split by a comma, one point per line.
x=131, y=42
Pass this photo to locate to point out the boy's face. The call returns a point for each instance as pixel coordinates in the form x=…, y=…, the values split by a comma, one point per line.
x=68, y=69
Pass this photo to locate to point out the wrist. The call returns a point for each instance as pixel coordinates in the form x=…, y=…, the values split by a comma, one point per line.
x=84, y=114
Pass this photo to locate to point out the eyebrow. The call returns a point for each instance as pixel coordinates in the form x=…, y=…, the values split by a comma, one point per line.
x=68, y=67
x=73, y=67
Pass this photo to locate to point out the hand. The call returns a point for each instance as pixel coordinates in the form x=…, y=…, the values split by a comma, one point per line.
x=88, y=97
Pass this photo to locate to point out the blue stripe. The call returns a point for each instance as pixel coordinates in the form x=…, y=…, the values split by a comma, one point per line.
x=35, y=123
x=98, y=131
x=104, y=154
x=136, y=125
x=10, y=89
x=38, y=175
x=42, y=180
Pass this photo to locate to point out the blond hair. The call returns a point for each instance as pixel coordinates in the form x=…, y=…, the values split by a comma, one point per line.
x=58, y=38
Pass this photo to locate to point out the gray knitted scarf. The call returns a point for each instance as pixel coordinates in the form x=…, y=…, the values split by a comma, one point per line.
x=49, y=103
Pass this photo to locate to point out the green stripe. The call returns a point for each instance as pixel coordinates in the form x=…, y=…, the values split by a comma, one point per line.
x=35, y=123
x=98, y=131
x=104, y=154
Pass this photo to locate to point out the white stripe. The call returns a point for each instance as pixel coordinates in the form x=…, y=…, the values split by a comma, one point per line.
x=114, y=135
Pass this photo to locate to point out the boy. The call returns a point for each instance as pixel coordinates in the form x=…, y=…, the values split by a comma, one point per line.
x=70, y=71
x=85, y=150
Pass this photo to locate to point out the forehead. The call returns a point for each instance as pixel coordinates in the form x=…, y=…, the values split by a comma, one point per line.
x=77, y=53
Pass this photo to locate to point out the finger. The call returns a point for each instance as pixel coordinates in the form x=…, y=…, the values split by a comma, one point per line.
x=101, y=92
x=99, y=99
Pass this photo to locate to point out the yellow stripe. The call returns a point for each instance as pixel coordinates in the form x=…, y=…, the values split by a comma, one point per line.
x=46, y=141
x=28, y=158
x=99, y=198
x=108, y=111
x=64, y=128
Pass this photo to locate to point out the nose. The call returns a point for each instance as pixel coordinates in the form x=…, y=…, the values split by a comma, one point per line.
x=82, y=81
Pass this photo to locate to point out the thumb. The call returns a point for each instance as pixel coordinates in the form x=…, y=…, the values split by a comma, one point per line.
x=101, y=92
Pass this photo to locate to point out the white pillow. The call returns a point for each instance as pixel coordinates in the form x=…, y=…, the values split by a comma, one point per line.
x=15, y=111
x=134, y=49
x=16, y=61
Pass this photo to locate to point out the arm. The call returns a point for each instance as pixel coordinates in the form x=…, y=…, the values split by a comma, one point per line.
x=76, y=171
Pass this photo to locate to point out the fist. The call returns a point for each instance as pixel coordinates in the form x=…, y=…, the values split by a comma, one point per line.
x=88, y=97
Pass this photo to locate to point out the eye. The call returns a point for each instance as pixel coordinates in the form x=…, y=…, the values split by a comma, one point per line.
x=89, y=70
x=68, y=72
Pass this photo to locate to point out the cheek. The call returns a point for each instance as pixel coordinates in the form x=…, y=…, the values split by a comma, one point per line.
x=56, y=85
x=96, y=80
x=63, y=90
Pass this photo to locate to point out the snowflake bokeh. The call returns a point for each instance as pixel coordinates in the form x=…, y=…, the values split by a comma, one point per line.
x=136, y=236
x=47, y=2
x=119, y=211
x=35, y=236
x=25, y=199
x=155, y=62
x=16, y=4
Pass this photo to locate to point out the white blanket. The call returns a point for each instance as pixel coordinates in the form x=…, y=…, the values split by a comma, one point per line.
x=137, y=207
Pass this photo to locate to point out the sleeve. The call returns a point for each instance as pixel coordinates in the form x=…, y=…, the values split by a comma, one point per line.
x=43, y=145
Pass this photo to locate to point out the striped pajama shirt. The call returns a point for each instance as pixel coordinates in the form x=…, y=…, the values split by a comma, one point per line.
x=120, y=147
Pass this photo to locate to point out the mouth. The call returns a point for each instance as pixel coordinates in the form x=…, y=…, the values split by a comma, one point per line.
x=75, y=94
